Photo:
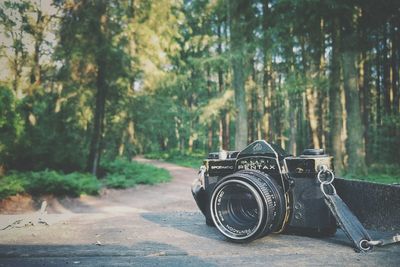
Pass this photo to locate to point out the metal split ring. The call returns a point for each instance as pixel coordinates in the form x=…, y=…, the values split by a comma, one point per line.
x=325, y=170
x=365, y=245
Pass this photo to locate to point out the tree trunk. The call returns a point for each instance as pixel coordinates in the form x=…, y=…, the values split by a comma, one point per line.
x=378, y=85
x=238, y=30
x=322, y=97
x=240, y=105
x=395, y=67
x=386, y=74
x=95, y=145
x=266, y=86
x=36, y=68
x=355, y=128
x=311, y=95
x=223, y=129
x=209, y=137
x=267, y=98
x=366, y=100
x=16, y=73
x=101, y=92
x=223, y=112
x=210, y=134
x=293, y=124
x=18, y=61
x=303, y=125
x=253, y=116
x=334, y=104
x=364, y=68
x=226, y=129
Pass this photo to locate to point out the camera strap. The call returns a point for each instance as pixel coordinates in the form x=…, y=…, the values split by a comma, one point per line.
x=348, y=222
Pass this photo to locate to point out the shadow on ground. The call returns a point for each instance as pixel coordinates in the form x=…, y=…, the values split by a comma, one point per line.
x=140, y=254
x=189, y=222
x=194, y=223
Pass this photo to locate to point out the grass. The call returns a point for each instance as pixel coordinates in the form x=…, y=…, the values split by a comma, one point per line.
x=186, y=159
x=119, y=174
x=380, y=173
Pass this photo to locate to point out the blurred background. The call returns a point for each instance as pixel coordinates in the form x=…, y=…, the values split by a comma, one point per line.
x=87, y=85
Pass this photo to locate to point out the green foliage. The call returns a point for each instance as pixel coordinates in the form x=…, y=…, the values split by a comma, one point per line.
x=12, y=184
x=166, y=74
x=385, y=143
x=48, y=182
x=52, y=182
x=122, y=173
x=11, y=125
x=186, y=159
x=215, y=106
x=50, y=139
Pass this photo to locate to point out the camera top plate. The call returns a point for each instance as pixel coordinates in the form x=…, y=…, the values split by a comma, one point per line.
x=262, y=148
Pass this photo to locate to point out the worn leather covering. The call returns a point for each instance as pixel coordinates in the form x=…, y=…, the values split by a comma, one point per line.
x=377, y=206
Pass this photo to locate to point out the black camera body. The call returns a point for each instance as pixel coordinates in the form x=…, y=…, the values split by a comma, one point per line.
x=260, y=190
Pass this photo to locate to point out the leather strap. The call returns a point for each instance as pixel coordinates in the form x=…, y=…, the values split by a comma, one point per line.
x=349, y=223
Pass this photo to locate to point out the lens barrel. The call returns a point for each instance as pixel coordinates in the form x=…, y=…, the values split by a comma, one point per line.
x=247, y=205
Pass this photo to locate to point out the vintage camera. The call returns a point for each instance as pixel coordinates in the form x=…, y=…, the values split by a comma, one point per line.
x=262, y=190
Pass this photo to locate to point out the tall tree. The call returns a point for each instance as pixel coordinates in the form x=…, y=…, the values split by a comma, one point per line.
x=238, y=13
x=355, y=127
x=88, y=28
x=100, y=34
x=335, y=101
x=266, y=92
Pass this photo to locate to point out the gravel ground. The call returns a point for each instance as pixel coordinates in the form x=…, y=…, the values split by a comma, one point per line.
x=160, y=225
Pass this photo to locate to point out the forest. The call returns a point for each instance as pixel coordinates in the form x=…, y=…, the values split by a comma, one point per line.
x=83, y=83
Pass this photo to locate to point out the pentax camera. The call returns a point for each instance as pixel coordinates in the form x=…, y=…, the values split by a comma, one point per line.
x=260, y=190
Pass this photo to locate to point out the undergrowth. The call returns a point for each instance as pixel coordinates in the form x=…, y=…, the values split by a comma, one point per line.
x=120, y=174
x=186, y=159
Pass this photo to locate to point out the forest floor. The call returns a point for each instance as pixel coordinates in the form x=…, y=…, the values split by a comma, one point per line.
x=157, y=225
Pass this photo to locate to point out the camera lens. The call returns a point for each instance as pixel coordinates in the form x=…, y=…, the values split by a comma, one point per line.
x=239, y=209
x=246, y=205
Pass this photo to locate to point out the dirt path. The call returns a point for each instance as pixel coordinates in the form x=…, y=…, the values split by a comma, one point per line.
x=157, y=226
